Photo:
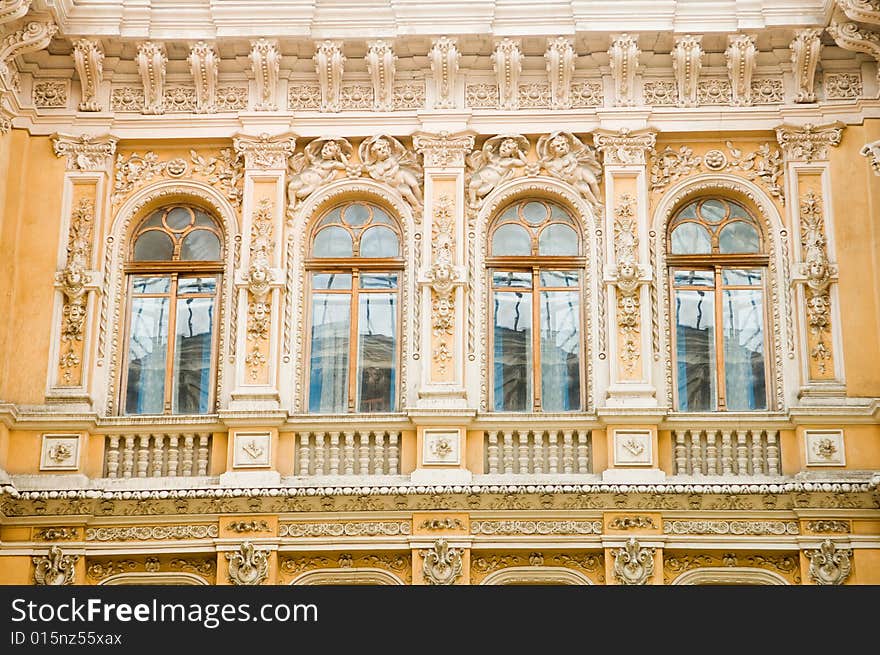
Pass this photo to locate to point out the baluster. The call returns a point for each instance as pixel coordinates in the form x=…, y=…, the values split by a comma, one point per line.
x=742, y=460
x=113, y=456
x=523, y=452
x=304, y=458
x=143, y=455
x=158, y=443
x=757, y=453
x=567, y=452
x=364, y=454
x=128, y=456
x=172, y=454
x=187, y=455
x=772, y=452
x=726, y=454
x=711, y=452
x=508, y=452
x=378, y=453
x=348, y=457
x=680, y=454
x=334, y=453
x=552, y=453
x=203, y=455
x=696, y=452
x=538, y=452
x=583, y=459
x=493, y=451
x=393, y=453
x=320, y=451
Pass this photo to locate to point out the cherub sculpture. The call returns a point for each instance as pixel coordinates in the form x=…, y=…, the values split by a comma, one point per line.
x=563, y=156
x=315, y=166
x=498, y=161
x=386, y=160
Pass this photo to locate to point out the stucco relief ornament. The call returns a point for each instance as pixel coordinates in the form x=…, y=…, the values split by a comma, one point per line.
x=669, y=165
x=84, y=152
x=259, y=280
x=818, y=273
x=633, y=565
x=829, y=565
x=562, y=155
x=54, y=568
x=497, y=161
x=627, y=278
x=872, y=152
x=442, y=564
x=316, y=166
x=385, y=159
x=248, y=566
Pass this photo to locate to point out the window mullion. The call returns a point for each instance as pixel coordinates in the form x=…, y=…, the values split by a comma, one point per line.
x=719, y=341
x=352, y=340
x=169, y=353
x=536, y=338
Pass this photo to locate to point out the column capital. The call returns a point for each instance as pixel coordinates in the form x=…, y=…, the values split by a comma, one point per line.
x=444, y=150
x=872, y=152
x=808, y=142
x=84, y=152
x=264, y=151
x=625, y=146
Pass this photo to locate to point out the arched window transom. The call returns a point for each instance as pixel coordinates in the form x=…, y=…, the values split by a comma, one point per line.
x=718, y=273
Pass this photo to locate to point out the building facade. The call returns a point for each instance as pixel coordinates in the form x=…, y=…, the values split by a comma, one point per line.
x=510, y=294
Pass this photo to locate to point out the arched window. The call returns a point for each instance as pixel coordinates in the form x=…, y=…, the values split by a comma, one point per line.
x=174, y=269
x=718, y=272
x=536, y=272
x=355, y=275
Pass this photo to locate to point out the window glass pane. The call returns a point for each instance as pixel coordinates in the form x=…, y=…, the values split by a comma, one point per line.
x=328, y=373
x=192, y=355
x=147, y=349
x=179, y=218
x=557, y=213
x=736, y=211
x=744, y=349
x=150, y=284
x=332, y=242
x=188, y=285
x=381, y=217
x=153, y=246
x=378, y=280
x=512, y=279
x=155, y=220
x=356, y=214
x=512, y=351
x=204, y=220
x=713, y=211
x=535, y=212
x=377, y=348
x=738, y=237
x=690, y=239
x=691, y=278
x=695, y=350
x=331, y=281
x=741, y=276
x=511, y=239
x=558, y=239
x=559, y=278
x=200, y=245
x=332, y=217
x=560, y=351
x=379, y=242
x=689, y=212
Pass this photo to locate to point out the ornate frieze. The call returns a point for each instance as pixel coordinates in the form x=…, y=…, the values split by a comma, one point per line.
x=133, y=170
x=264, y=151
x=248, y=565
x=224, y=171
x=329, y=62
x=623, y=56
x=686, y=64
x=872, y=152
x=828, y=526
x=767, y=91
x=741, y=56
x=55, y=568
x=507, y=63
x=441, y=565
x=660, y=92
x=151, y=62
x=31, y=37
x=248, y=526
x=204, y=65
x=535, y=527
x=385, y=159
x=842, y=86
x=88, y=59
x=265, y=64
x=84, y=152
x=632, y=523
x=829, y=565
x=805, y=50
x=443, y=150
x=808, y=142
x=633, y=564
x=381, y=65
x=670, y=165
x=560, y=58
x=676, y=563
x=751, y=528
x=445, y=57
x=564, y=156
x=55, y=534
x=50, y=94
x=624, y=147
x=318, y=164
x=152, y=532
x=586, y=93
x=346, y=529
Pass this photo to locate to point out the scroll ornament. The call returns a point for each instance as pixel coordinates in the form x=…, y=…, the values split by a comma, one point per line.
x=54, y=568
x=247, y=565
x=633, y=565
x=442, y=565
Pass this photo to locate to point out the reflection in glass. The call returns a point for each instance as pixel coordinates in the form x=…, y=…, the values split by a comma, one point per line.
x=147, y=350
x=512, y=352
x=328, y=376
x=153, y=246
x=332, y=242
x=738, y=237
x=695, y=349
x=690, y=239
x=200, y=245
x=744, y=349
x=379, y=242
x=560, y=351
x=511, y=239
x=558, y=239
x=377, y=344
x=192, y=355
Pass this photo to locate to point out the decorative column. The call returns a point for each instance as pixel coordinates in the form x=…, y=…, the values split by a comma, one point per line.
x=627, y=269
x=805, y=149
x=440, y=341
x=260, y=278
x=88, y=167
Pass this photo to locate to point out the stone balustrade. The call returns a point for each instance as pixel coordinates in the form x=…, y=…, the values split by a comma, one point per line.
x=157, y=455
x=347, y=453
x=538, y=452
x=722, y=452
